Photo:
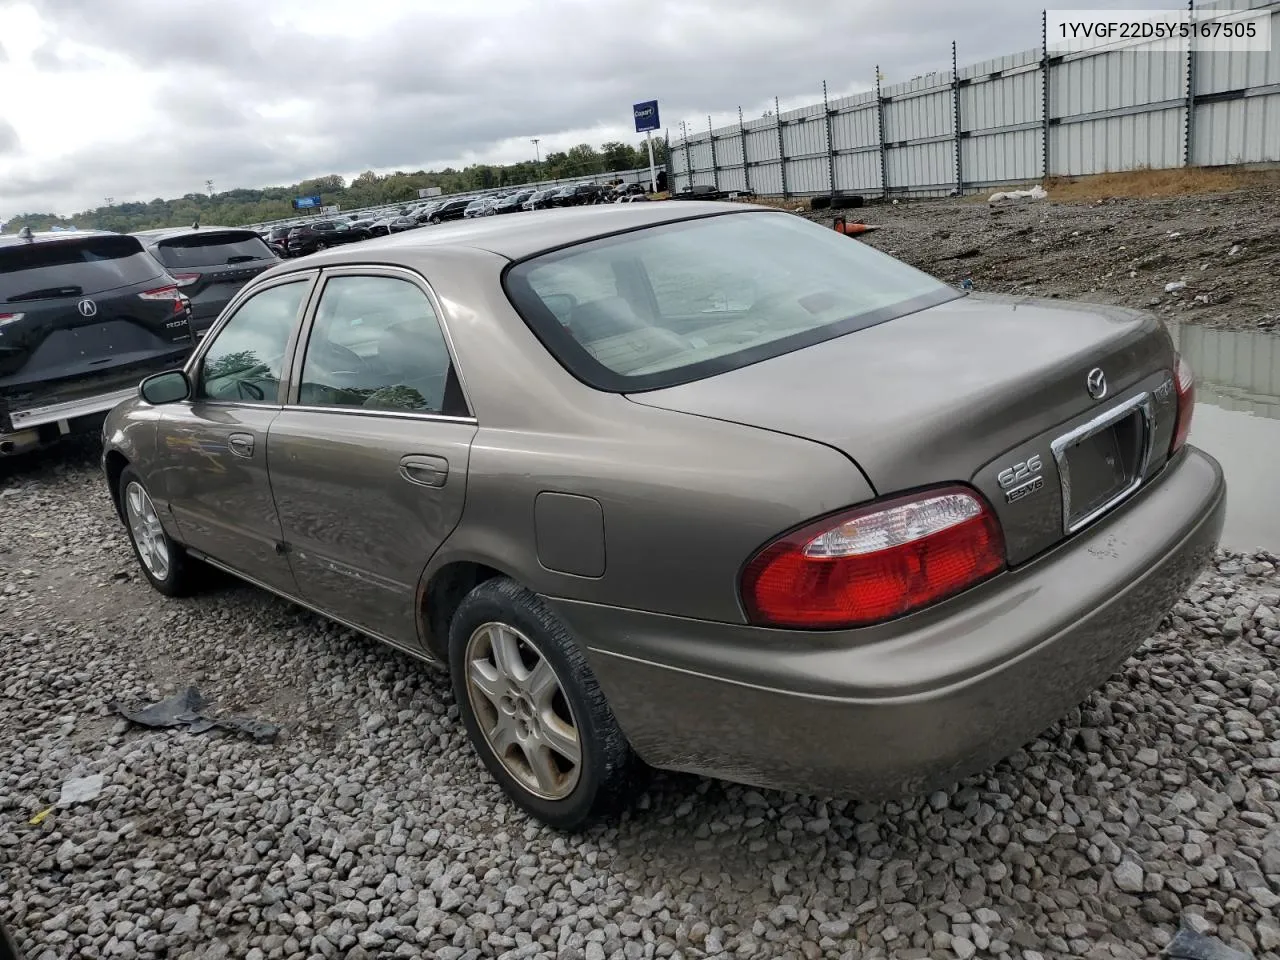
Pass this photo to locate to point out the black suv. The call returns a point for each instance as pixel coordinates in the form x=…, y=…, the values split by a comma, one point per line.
x=310, y=237
x=578, y=194
x=450, y=210
x=84, y=316
x=210, y=264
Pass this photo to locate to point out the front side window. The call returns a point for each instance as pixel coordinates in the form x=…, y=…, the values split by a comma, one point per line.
x=680, y=301
x=376, y=344
x=245, y=361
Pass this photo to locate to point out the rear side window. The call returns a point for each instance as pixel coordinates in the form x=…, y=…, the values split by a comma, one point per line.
x=72, y=268
x=213, y=249
x=681, y=301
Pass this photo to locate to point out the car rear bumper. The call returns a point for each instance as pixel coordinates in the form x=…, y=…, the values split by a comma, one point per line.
x=916, y=705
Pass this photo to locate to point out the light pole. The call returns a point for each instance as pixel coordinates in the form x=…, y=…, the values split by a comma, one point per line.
x=209, y=184
x=537, y=160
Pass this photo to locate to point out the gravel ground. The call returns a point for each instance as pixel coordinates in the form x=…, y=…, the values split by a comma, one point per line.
x=370, y=830
x=1224, y=247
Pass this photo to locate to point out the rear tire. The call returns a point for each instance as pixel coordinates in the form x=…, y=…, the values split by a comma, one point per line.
x=534, y=711
x=819, y=203
x=163, y=561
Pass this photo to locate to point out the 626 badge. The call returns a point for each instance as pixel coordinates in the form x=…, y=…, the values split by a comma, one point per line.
x=1021, y=479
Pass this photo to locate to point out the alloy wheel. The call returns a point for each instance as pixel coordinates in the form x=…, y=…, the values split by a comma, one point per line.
x=520, y=704
x=147, y=533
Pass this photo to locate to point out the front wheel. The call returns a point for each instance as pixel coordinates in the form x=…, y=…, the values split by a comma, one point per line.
x=534, y=711
x=164, y=562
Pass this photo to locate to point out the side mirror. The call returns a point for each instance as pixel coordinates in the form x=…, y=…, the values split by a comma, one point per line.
x=168, y=387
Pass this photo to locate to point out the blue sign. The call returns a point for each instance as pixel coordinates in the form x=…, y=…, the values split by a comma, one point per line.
x=646, y=115
x=306, y=203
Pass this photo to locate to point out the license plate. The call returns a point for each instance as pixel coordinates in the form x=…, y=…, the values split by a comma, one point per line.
x=1104, y=461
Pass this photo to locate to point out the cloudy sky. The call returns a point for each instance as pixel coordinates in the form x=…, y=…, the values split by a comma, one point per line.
x=135, y=99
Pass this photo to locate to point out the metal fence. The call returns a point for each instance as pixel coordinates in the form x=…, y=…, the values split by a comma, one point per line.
x=1011, y=120
x=640, y=175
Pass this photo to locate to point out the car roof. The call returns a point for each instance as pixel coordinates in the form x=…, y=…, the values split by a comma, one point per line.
x=44, y=236
x=526, y=235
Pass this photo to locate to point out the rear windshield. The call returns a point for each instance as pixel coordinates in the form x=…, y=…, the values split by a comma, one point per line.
x=681, y=301
x=72, y=268
x=214, y=249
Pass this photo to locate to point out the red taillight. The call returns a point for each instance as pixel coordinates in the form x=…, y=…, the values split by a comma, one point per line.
x=1184, y=382
x=170, y=292
x=185, y=279
x=876, y=562
x=10, y=318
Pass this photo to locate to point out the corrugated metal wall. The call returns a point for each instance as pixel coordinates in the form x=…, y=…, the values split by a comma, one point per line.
x=1241, y=366
x=1107, y=112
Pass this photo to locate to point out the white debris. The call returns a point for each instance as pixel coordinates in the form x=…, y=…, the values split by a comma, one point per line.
x=1234, y=250
x=1174, y=234
x=1035, y=193
x=1175, y=286
x=82, y=789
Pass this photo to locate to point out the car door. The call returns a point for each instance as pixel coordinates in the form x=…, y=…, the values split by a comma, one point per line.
x=369, y=456
x=212, y=448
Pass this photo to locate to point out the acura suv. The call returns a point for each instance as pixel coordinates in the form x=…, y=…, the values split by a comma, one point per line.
x=209, y=264
x=84, y=315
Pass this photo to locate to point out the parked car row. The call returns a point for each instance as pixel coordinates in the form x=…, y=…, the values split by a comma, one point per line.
x=303, y=237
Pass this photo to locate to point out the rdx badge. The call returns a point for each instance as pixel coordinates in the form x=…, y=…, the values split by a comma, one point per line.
x=1021, y=479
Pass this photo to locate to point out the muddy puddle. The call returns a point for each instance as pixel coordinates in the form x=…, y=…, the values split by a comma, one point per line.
x=1237, y=420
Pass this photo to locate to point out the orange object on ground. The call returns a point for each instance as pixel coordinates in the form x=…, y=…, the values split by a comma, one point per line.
x=850, y=229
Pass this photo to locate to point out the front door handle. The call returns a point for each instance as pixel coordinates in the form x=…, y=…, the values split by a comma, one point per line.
x=241, y=444
x=424, y=470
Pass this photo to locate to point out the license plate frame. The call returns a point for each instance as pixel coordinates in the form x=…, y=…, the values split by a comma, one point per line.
x=1140, y=406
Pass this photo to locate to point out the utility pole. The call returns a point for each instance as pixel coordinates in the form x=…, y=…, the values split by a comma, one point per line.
x=537, y=160
x=209, y=184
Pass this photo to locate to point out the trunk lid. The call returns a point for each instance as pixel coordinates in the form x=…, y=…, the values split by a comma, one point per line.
x=974, y=390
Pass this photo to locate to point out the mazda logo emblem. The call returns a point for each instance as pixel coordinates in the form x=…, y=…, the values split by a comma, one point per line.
x=87, y=308
x=1096, y=383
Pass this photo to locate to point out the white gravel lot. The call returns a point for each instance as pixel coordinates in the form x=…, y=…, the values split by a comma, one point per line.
x=369, y=829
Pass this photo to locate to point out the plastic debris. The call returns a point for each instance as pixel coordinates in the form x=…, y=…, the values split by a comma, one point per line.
x=82, y=789
x=1035, y=193
x=1234, y=250
x=41, y=817
x=966, y=283
x=1175, y=286
x=186, y=708
x=1189, y=945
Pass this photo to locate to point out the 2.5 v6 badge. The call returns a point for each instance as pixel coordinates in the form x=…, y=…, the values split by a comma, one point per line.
x=1022, y=479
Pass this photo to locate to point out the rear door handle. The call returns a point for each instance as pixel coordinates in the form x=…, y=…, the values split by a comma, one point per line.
x=424, y=470
x=241, y=444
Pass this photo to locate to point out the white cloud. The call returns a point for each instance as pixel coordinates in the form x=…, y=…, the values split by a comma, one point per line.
x=136, y=99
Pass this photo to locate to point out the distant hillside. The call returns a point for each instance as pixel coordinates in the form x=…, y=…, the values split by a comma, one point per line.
x=234, y=207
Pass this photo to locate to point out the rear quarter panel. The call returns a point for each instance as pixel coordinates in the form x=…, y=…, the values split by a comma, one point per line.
x=685, y=502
